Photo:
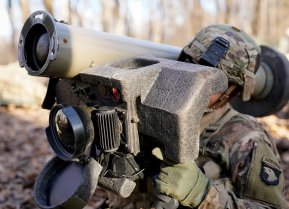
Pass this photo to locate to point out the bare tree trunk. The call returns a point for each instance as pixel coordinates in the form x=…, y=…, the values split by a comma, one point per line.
x=236, y=19
x=256, y=18
x=188, y=24
x=198, y=15
x=79, y=17
x=24, y=5
x=273, y=25
x=48, y=4
x=11, y=19
x=264, y=21
x=163, y=9
x=13, y=28
x=219, y=12
x=116, y=16
x=228, y=11
x=127, y=20
x=155, y=19
x=151, y=21
x=69, y=12
x=105, y=15
x=283, y=22
x=115, y=9
x=72, y=12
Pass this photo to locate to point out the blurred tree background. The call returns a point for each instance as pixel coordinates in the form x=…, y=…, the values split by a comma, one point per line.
x=24, y=149
x=170, y=22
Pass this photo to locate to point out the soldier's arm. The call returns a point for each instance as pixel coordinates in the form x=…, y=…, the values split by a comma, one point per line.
x=219, y=196
x=255, y=178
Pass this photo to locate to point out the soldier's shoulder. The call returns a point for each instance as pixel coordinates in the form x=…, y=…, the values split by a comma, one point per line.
x=242, y=126
x=243, y=122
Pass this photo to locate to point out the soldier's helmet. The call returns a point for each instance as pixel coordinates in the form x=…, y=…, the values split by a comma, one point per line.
x=227, y=48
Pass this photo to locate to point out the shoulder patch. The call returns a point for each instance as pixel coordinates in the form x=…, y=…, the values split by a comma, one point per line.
x=270, y=171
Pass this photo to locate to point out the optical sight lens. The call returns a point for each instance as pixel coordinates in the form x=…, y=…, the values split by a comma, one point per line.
x=64, y=131
x=70, y=131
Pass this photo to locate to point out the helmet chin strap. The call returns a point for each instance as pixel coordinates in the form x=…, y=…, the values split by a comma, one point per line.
x=225, y=97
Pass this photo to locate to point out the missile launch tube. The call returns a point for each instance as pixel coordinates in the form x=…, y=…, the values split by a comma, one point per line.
x=53, y=49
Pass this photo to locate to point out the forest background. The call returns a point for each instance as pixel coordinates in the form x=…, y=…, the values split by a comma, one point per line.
x=170, y=22
x=24, y=149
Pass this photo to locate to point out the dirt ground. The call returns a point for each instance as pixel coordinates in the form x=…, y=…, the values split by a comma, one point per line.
x=24, y=151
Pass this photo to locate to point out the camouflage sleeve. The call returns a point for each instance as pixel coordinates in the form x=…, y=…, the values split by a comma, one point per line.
x=219, y=196
x=251, y=165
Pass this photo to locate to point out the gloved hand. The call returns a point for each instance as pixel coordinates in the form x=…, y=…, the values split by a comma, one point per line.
x=184, y=181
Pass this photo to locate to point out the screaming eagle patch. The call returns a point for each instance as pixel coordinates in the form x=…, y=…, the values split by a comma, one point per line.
x=270, y=171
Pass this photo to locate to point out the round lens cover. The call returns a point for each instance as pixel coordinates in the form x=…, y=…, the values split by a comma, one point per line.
x=66, y=184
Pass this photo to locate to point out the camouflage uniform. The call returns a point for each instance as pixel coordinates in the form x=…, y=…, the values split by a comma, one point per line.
x=243, y=163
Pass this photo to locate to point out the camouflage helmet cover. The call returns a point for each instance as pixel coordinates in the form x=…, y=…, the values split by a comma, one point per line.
x=240, y=61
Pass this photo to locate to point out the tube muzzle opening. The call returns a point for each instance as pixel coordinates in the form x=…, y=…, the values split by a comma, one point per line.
x=37, y=43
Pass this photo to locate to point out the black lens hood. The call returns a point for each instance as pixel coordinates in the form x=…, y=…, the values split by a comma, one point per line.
x=78, y=129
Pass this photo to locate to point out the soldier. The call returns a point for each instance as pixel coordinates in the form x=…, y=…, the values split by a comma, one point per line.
x=238, y=165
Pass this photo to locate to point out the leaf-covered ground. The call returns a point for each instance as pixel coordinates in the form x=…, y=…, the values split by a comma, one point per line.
x=24, y=151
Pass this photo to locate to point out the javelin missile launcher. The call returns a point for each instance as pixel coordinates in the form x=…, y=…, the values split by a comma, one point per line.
x=114, y=98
